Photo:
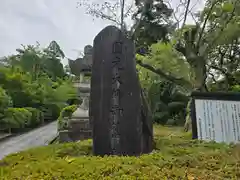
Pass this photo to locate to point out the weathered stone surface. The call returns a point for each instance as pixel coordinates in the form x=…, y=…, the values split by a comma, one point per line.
x=78, y=125
x=88, y=52
x=82, y=65
x=115, y=105
x=64, y=136
x=77, y=66
x=79, y=129
x=80, y=114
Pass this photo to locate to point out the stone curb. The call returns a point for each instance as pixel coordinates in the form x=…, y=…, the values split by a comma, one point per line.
x=52, y=140
x=8, y=137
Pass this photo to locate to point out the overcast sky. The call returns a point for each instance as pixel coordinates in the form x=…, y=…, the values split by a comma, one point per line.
x=28, y=21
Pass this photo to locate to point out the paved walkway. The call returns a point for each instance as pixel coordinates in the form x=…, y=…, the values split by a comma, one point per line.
x=36, y=137
x=4, y=135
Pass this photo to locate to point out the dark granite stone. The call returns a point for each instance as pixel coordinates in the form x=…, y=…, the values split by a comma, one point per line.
x=115, y=102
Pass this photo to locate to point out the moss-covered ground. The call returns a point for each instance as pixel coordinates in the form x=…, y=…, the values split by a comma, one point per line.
x=176, y=157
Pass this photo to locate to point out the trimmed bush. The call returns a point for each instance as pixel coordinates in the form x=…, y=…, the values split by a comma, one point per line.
x=17, y=118
x=68, y=111
x=65, y=114
x=176, y=157
x=36, y=118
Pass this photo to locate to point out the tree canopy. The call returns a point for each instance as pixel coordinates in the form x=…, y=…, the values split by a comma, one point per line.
x=34, y=86
x=202, y=56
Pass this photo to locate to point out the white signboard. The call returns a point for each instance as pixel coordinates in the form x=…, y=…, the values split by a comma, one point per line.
x=218, y=120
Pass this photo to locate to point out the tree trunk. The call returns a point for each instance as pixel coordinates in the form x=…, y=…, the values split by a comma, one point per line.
x=200, y=74
x=198, y=65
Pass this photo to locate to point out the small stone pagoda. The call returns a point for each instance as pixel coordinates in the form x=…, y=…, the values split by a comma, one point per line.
x=78, y=125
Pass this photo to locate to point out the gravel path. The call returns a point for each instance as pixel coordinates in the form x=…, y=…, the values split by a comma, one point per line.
x=36, y=137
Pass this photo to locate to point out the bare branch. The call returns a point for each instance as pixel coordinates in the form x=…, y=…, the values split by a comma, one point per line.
x=122, y=13
x=179, y=81
x=205, y=23
x=97, y=11
x=212, y=76
x=138, y=21
x=129, y=11
x=186, y=13
x=178, y=20
x=222, y=70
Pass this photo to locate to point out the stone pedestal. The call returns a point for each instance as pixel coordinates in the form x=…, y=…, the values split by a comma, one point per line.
x=78, y=125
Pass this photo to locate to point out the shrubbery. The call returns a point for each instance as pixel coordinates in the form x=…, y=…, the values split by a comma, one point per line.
x=51, y=111
x=33, y=88
x=17, y=118
x=5, y=102
x=167, y=103
x=236, y=88
x=65, y=115
x=176, y=157
x=37, y=117
x=41, y=99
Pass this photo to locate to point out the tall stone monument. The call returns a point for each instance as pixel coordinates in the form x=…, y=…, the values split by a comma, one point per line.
x=115, y=100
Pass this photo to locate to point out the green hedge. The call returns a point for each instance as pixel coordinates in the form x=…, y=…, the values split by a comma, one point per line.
x=36, y=118
x=68, y=111
x=17, y=118
x=176, y=157
x=65, y=114
x=20, y=118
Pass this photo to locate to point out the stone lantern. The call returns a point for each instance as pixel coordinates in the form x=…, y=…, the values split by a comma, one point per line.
x=78, y=125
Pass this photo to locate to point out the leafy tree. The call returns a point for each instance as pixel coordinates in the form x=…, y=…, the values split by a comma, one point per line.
x=154, y=25
x=167, y=102
x=33, y=86
x=5, y=102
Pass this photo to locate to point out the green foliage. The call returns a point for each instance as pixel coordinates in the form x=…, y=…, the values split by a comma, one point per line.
x=34, y=78
x=176, y=157
x=167, y=101
x=51, y=111
x=36, y=61
x=236, y=88
x=5, y=100
x=36, y=118
x=163, y=56
x=67, y=111
x=67, y=89
x=155, y=25
x=65, y=115
x=17, y=117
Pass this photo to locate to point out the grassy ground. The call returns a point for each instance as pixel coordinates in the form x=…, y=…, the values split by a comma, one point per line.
x=176, y=157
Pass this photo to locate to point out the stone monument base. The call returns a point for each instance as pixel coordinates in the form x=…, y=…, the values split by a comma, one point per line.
x=78, y=129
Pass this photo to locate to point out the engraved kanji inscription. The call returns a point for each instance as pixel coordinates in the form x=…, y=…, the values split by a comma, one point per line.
x=117, y=48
